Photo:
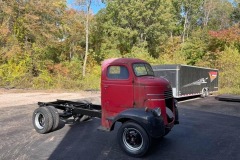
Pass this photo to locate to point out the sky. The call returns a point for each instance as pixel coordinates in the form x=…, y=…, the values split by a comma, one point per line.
x=95, y=6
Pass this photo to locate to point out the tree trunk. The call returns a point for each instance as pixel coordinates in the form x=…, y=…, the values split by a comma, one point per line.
x=171, y=36
x=87, y=34
x=185, y=27
x=208, y=7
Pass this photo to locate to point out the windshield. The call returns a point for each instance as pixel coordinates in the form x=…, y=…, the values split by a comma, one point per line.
x=142, y=69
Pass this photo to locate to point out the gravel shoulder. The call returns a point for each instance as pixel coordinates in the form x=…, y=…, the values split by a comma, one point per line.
x=15, y=97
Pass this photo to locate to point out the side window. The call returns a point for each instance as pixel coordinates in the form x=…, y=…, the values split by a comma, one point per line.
x=117, y=72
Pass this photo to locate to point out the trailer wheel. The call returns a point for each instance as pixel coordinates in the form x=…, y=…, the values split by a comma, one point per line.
x=204, y=93
x=42, y=120
x=207, y=92
x=133, y=139
x=55, y=116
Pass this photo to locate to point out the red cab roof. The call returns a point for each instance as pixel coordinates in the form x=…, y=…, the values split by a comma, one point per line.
x=122, y=60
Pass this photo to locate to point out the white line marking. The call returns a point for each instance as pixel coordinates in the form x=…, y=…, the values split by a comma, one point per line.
x=193, y=99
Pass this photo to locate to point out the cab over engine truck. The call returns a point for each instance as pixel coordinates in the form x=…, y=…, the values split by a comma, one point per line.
x=130, y=94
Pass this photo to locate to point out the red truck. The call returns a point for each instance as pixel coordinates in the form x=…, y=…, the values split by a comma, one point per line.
x=130, y=94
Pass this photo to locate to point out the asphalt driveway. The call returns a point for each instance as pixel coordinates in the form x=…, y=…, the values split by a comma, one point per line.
x=208, y=129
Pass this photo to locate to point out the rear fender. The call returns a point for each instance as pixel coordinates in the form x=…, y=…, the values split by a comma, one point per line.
x=153, y=124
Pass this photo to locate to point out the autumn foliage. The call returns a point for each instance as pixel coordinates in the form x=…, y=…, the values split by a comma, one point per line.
x=229, y=35
x=43, y=43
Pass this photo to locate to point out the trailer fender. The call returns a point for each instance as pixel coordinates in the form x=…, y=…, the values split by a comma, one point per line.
x=154, y=125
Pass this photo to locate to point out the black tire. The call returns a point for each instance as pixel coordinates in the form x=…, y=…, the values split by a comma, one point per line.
x=133, y=139
x=166, y=132
x=207, y=93
x=204, y=93
x=42, y=120
x=55, y=116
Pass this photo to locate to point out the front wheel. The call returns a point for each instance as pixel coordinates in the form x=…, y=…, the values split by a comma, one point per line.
x=133, y=139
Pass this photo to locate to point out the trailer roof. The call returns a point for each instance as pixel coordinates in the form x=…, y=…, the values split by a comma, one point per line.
x=177, y=67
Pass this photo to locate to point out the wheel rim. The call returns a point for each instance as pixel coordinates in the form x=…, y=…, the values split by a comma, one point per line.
x=40, y=120
x=204, y=93
x=132, y=139
x=207, y=93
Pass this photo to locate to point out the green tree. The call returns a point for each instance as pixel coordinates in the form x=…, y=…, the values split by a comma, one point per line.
x=191, y=13
x=72, y=34
x=229, y=65
x=235, y=16
x=85, y=6
x=143, y=23
x=220, y=15
x=195, y=48
x=32, y=24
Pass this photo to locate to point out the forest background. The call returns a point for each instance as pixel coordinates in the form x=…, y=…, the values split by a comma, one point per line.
x=49, y=45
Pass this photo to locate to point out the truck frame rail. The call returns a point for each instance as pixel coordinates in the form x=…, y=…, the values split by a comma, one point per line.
x=74, y=108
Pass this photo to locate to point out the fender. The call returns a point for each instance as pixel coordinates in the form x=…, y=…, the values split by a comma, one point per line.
x=153, y=124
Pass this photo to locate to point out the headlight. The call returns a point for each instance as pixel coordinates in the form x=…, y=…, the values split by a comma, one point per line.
x=157, y=112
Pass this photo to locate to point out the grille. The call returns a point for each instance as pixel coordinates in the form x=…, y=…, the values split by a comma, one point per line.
x=168, y=96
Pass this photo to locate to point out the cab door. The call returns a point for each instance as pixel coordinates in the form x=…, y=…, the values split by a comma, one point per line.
x=117, y=89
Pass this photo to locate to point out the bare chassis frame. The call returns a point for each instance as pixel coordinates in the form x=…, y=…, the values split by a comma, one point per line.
x=74, y=108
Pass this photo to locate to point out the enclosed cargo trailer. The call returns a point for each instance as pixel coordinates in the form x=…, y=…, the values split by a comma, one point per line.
x=188, y=80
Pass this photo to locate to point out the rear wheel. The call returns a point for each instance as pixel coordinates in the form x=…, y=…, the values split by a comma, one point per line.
x=133, y=139
x=42, y=120
x=55, y=116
